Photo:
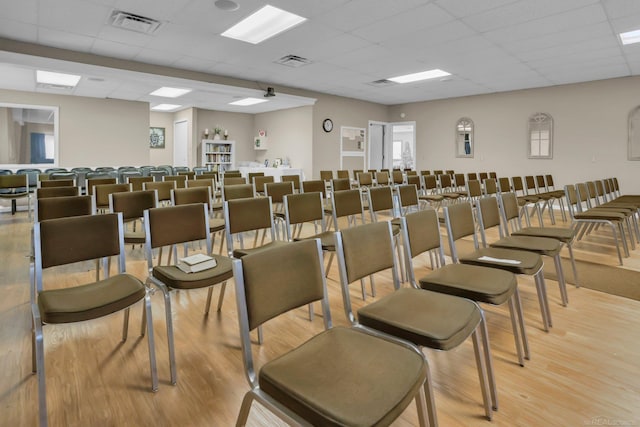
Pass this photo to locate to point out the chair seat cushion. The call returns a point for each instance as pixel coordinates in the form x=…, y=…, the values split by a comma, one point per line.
x=327, y=240
x=431, y=197
x=175, y=278
x=600, y=215
x=136, y=236
x=239, y=253
x=563, y=234
x=540, y=245
x=490, y=285
x=451, y=195
x=344, y=376
x=216, y=224
x=90, y=301
x=519, y=262
x=428, y=319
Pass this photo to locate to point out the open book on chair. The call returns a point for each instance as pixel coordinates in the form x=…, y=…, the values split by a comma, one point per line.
x=196, y=263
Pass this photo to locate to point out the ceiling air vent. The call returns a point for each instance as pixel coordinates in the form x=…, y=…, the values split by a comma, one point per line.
x=129, y=21
x=382, y=83
x=293, y=61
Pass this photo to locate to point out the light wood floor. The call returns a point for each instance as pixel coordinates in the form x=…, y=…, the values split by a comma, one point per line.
x=585, y=371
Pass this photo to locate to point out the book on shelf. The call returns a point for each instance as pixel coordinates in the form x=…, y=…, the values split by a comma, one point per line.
x=196, y=263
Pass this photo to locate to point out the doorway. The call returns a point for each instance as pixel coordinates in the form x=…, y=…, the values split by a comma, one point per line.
x=181, y=143
x=392, y=145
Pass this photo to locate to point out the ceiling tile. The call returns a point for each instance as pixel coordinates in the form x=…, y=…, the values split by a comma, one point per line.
x=74, y=16
x=18, y=30
x=25, y=11
x=64, y=40
x=621, y=8
x=115, y=50
x=462, y=8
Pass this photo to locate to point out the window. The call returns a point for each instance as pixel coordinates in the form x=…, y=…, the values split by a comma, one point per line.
x=464, y=137
x=540, y=136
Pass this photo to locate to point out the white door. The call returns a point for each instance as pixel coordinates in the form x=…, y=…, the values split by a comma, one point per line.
x=377, y=145
x=403, y=137
x=181, y=143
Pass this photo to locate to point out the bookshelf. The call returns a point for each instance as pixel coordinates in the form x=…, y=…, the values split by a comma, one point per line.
x=218, y=154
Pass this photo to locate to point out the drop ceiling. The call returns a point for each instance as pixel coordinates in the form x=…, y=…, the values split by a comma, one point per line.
x=487, y=45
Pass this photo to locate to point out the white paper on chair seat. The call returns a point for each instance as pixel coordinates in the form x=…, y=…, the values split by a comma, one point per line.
x=504, y=261
x=196, y=263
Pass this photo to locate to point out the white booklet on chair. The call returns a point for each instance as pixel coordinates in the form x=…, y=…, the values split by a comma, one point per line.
x=196, y=263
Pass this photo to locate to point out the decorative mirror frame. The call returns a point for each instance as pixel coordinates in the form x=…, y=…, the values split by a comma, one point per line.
x=464, y=137
x=539, y=122
x=633, y=147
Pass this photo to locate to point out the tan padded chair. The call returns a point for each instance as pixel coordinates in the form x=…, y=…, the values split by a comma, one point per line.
x=526, y=200
x=409, y=200
x=326, y=175
x=482, y=176
x=557, y=195
x=382, y=178
x=460, y=223
x=92, y=182
x=341, y=174
x=447, y=189
x=509, y=209
x=132, y=204
x=546, y=199
x=425, y=172
x=163, y=188
x=76, y=239
x=292, y=178
x=233, y=180
x=249, y=214
x=188, y=174
x=490, y=187
x=232, y=174
x=201, y=194
x=179, y=179
x=421, y=234
x=426, y=319
x=14, y=187
x=252, y=175
x=340, y=184
x=260, y=181
x=170, y=226
x=365, y=179
x=46, y=192
x=101, y=194
x=237, y=191
x=397, y=177
x=381, y=200
x=490, y=215
x=56, y=183
x=313, y=186
x=138, y=181
x=63, y=206
x=207, y=175
x=430, y=193
x=277, y=191
x=334, y=378
x=211, y=182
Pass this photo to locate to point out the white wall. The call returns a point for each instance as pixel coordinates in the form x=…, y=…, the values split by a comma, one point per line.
x=590, y=131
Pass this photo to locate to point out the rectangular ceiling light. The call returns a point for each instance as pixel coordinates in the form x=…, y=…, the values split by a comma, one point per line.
x=630, y=37
x=59, y=79
x=170, y=92
x=263, y=24
x=165, y=107
x=424, y=75
x=248, y=101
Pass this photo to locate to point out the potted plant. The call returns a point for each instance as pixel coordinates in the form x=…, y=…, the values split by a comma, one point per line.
x=217, y=131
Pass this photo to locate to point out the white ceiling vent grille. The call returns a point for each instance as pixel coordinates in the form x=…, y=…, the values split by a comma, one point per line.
x=293, y=61
x=129, y=21
x=382, y=83
x=53, y=86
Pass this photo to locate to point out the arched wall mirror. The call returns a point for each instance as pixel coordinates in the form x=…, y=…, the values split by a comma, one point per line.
x=634, y=134
x=28, y=135
x=540, y=136
x=464, y=137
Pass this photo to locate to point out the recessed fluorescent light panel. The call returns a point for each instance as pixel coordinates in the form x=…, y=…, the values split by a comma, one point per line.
x=170, y=92
x=630, y=37
x=165, y=107
x=263, y=24
x=248, y=101
x=50, y=78
x=424, y=75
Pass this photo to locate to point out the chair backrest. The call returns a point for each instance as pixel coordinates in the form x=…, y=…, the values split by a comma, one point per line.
x=252, y=175
x=541, y=184
x=303, y=207
x=57, y=183
x=172, y=225
x=101, y=193
x=414, y=180
x=459, y=221
x=162, y=187
x=32, y=174
x=430, y=182
x=509, y=203
x=277, y=190
x=407, y=198
x=382, y=178
x=365, y=179
x=260, y=181
x=233, y=180
x=295, y=279
x=530, y=185
x=380, y=199
x=493, y=175
x=46, y=192
x=239, y=191
x=472, y=175
x=340, y=184
x=504, y=184
x=347, y=203
x=420, y=234
x=92, y=182
x=292, y=178
x=314, y=186
x=363, y=251
x=490, y=186
x=437, y=172
x=397, y=177
x=247, y=214
x=179, y=179
x=185, y=196
x=326, y=175
x=194, y=183
x=178, y=169
x=445, y=181
x=207, y=175
x=132, y=204
x=232, y=174
x=200, y=170
x=343, y=174
x=14, y=181
x=488, y=215
x=549, y=179
x=474, y=190
x=78, y=238
x=459, y=181
x=62, y=207
x=482, y=176
x=516, y=184
x=137, y=181
x=188, y=174
x=425, y=172
x=63, y=175
x=356, y=172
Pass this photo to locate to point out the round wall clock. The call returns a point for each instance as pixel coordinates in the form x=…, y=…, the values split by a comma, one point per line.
x=327, y=125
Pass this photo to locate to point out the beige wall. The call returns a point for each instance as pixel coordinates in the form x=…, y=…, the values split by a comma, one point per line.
x=590, y=131
x=94, y=132
x=289, y=135
x=343, y=112
x=239, y=125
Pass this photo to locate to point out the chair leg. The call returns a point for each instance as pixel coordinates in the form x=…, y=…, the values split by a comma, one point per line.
x=516, y=334
x=152, y=345
x=169, y=321
x=523, y=331
x=125, y=325
x=542, y=299
x=364, y=290
x=260, y=335
x=573, y=265
x=208, y=303
x=311, y=312
x=421, y=406
x=429, y=397
x=482, y=374
x=245, y=408
x=326, y=273
x=484, y=334
x=561, y=282
x=223, y=288
x=38, y=345
x=373, y=286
